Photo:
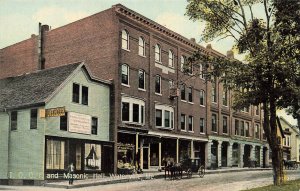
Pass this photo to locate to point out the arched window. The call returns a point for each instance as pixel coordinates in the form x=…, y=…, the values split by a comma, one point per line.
x=201, y=71
x=202, y=97
x=171, y=58
x=125, y=40
x=141, y=46
x=157, y=53
x=182, y=62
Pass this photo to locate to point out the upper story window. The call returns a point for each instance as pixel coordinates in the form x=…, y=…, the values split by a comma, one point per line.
x=125, y=74
x=225, y=125
x=142, y=46
x=141, y=79
x=182, y=63
x=157, y=53
x=214, y=90
x=236, y=127
x=94, y=125
x=182, y=122
x=164, y=116
x=242, y=128
x=133, y=110
x=33, y=118
x=214, y=122
x=157, y=84
x=182, y=92
x=84, y=95
x=190, y=94
x=171, y=58
x=14, y=120
x=202, y=97
x=64, y=122
x=247, y=131
x=125, y=40
x=75, y=95
x=257, y=131
x=202, y=125
x=190, y=122
x=171, y=83
x=201, y=71
x=256, y=110
x=264, y=135
x=225, y=97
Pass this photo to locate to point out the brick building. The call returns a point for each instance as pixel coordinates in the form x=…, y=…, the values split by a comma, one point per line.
x=158, y=112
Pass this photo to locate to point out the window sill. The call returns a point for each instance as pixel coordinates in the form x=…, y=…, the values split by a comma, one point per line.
x=225, y=106
x=141, y=89
x=191, y=131
x=225, y=133
x=214, y=132
x=182, y=130
x=202, y=105
x=184, y=101
x=158, y=62
x=128, y=50
x=79, y=104
x=214, y=102
x=132, y=123
x=202, y=133
x=166, y=128
x=191, y=103
x=144, y=56
x=126, y=85
x=158, y=94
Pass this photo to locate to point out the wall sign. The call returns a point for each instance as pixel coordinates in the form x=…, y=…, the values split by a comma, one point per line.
x=79, y=123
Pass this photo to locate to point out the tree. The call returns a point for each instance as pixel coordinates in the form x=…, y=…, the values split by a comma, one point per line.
x=269, y=76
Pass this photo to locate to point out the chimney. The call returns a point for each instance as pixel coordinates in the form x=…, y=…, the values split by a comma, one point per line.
x=193, y=40
x=230, y=54
x=208, y=46
x=41, y=46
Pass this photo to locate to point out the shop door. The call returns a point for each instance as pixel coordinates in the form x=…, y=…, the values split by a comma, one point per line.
x=145, y=158
x=107, y=163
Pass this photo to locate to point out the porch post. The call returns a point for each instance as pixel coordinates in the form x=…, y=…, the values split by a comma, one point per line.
x=192, y=149
x=177, y=150
x=261, y=156
x=159, y=155
x=252, y=152
x=241, y=156
x=220, y=153
x=267, y=157
x=229, y=154
x=141, y=153
x=208, y=154
x=149, y=156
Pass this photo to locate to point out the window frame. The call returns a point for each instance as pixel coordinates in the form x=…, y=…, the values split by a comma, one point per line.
x=94, y=128
x=33, y=121
x=141, y=71
x=157, y=79
x=190, y=94
x=214, y=94
x=203, y=120
x=63, y=120
x=182, y=92
x=157, y=51
x=171, y=59
x=202, y=97
x=225, y=97
x=182, y=63
x=182, y=116
x=74, y=100
x=125, y=39
x=214, y=127
x=128, y=72
x=141, y=110
x=225, y=125
x=190, y=123
x=142, y=46
x=84, y=101
x=13, y=120
x=165, y=109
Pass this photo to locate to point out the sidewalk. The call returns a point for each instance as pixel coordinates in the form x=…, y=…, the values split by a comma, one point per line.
x=136, y=177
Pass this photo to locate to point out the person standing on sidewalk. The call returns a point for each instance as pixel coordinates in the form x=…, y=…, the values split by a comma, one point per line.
x=71, y=172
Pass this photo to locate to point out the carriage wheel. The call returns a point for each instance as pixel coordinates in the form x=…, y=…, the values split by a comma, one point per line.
x=189, y=173
x=201, y=171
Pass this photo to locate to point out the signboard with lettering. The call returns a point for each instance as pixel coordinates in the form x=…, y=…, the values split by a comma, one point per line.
x=55, y=112
x=79, y=123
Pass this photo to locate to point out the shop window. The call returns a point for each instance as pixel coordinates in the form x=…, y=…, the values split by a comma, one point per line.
x=125, y=111
x=14, y=120
x=75, y=97
x=214, y=122
x=182, y=122
x=125, y=40
x=190, y=94
x=85, y=95
x=225, y=125
x=33, y=118
x=141, y=46
x=141, y=79
x=202, y=125
x=157, y=84
x=190, y=122
x=182, y=92
x=202, y=97
x=64, y=122
x=55, y=154
x=94, y=125
x=171, y=58
x=125, y=74
x=92, y=156
x=157, y=53
x=158, y=115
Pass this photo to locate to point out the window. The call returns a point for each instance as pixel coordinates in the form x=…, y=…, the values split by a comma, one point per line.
x=202, y=125
x=125, y=74
x=14, y=120
x=158, y=116
x=182, y=92
x=201, y=71
x=158, y=84
x=264, y=135
x=55, y=154
x=225, y=96
x=225, y=125
x=214, y=122
x=33, y=118
x=125, y=40
x=190, y=94
x=214, y=90
x=182, y=63
x=164, y=116
x=92, y=156
x=132, y=110
x=157, y=53
x=135, y=112
x=171, y=83
x=85, y=95
x=142, y=79
x=256, y=108
x=75, y=97
x=190, y=123
x=125, y=111
x=171, y=59
x=202, y=97
x=242, y=127
x=182, y=122
x=141, y=46
x=64, y=122
x=94, y=125
x=236, y=127
x=257, y=131
x=247, y=132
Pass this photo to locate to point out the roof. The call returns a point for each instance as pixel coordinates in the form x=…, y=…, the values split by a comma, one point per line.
x=295, y=128
x=33, y=88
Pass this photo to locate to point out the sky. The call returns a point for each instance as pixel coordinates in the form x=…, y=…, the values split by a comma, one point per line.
x=19, y=19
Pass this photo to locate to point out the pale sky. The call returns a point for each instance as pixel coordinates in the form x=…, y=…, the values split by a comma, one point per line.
x=19, y=18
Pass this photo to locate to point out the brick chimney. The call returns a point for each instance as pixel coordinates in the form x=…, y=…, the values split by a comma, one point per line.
x=42, y=30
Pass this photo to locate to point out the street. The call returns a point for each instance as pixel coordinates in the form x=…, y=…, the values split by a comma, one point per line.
x=232, y=181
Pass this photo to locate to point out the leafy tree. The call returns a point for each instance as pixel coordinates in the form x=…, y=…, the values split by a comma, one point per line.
x=269, y=76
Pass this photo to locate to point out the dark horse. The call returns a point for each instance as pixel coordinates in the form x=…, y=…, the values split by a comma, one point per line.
x=174, y=171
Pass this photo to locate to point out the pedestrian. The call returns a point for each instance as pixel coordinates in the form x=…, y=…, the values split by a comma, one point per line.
x=71, y=172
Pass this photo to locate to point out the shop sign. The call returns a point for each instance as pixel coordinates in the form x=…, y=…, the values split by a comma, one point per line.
x=79, y=123
x=52, y=112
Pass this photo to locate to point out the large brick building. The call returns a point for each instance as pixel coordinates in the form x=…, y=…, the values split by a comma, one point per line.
x=158, y=112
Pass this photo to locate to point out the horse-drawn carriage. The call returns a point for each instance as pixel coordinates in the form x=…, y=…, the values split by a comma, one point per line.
x=187, y=166
x=290, y=165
